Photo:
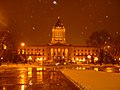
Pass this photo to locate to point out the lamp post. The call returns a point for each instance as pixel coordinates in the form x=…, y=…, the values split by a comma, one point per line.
x=95, y=60
x=119, y=61
x=89, y=58
x=22, y=44
x=23, y=52
x=4, y=47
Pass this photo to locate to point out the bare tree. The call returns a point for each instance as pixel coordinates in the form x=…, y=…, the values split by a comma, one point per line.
x=116, y=47
x=99, y=39
x=8, y=44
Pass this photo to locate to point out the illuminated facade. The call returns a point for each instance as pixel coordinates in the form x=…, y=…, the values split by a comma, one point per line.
x=58, y=33
x=58, y=49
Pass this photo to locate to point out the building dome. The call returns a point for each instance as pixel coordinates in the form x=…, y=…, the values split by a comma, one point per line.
x=59, y=24
x=58, y=33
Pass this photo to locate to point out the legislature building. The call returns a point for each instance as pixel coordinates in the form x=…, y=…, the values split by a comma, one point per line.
x=58, y=50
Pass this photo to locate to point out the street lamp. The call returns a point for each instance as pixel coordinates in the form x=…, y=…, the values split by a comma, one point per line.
x=95, y=59
x=108, y=46
x=22, y=44
x=89, y=58
x=119, y=61
x=23, y=51
x=4, y=47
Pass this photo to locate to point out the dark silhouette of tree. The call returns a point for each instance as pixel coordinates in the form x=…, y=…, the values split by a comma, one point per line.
x=116, y=47
x=99, y=39
x=11, y=48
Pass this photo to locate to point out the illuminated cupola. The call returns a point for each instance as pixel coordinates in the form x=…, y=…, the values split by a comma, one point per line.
x=58, y=33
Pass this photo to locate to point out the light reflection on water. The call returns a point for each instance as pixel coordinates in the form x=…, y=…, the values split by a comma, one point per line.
x=22, y=87
x=29, y=72
x=39, y=75
x=27, y=78
x=4, y=88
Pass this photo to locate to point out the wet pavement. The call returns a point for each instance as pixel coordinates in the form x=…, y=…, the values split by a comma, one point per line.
x=43, y=78
x=14, y=78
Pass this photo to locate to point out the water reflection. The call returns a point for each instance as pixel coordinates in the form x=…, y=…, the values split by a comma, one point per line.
x=39, y=75
x=29, y=72
x=4, y=88
x=22, y=87
x=39, y=69
x=41, y=78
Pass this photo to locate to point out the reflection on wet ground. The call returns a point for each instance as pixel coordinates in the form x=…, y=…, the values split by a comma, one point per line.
x=34, y=79
x=42, y=78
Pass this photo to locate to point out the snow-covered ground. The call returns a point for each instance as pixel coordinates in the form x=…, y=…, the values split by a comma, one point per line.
x=93, y=80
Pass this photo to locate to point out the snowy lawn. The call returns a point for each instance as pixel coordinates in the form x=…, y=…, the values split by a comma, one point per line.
x=94, y=80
